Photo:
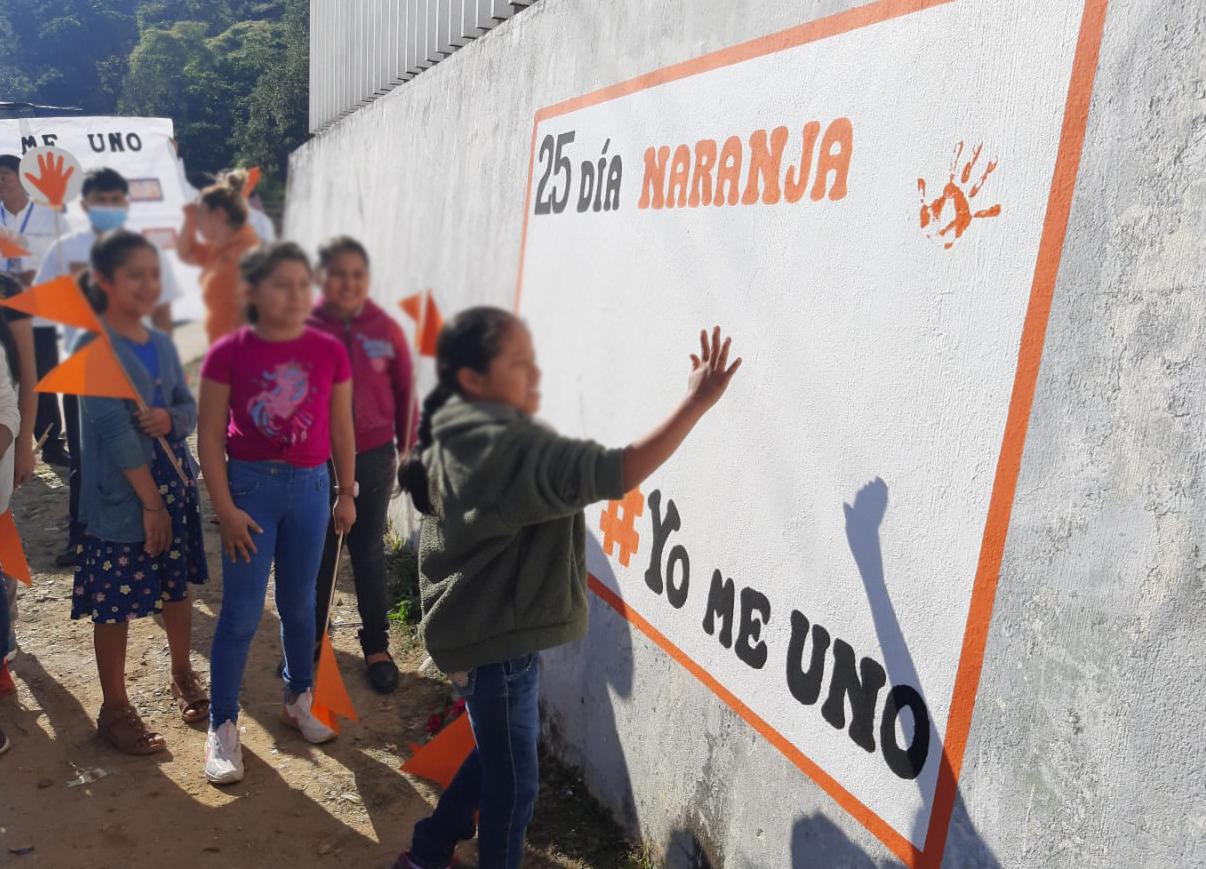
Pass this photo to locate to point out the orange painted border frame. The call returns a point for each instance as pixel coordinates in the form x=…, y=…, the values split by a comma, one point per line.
x=1030, y=352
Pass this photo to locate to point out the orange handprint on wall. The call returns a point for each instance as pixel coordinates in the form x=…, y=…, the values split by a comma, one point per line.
x=960, y=201
x=52, y=178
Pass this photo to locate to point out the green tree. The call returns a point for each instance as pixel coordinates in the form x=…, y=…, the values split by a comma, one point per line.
x=66, y=52
x=237, y=95
x=231, y=74
x=277, y=118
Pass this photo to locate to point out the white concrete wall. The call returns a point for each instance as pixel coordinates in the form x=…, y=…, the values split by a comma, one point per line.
x=1085, y=749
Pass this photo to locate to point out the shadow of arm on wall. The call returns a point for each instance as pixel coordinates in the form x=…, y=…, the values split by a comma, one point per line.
x=863, y=519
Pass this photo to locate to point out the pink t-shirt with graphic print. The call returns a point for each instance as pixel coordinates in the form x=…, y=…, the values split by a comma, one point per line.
x=280, y=394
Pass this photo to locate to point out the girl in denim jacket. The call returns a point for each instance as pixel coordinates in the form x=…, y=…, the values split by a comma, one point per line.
x=144, y=542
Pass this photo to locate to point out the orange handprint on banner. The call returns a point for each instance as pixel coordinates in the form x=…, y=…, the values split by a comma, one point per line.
x=52, y=180
x=961, y=202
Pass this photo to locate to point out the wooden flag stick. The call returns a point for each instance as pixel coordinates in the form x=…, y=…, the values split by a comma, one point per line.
x=144, y=407
x=334, y=580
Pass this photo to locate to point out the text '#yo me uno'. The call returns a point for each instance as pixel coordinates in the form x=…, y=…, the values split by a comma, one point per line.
x=736, y=616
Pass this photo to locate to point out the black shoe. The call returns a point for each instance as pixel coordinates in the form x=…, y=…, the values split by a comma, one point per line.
x=5, y=745
x=383, y=676
x=59, y=458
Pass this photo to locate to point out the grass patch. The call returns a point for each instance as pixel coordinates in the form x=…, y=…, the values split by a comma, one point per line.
x=402, y=577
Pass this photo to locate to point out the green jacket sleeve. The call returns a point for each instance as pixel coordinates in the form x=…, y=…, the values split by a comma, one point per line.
x=543, y=476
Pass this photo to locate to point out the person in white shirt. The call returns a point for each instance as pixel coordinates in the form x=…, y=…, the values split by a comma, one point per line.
x=105, y=199
x=36, y=227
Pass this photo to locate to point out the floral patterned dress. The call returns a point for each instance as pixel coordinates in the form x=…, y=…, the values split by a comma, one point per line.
x=119, y=582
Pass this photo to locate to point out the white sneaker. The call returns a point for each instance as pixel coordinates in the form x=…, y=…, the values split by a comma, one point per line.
x=297, y=715
x=224, y=755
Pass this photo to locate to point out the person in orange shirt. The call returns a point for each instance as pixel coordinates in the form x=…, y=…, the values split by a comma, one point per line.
x=214, y=236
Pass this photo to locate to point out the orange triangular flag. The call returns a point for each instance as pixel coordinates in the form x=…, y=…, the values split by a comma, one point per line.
x=421, y=308
x=439, y=759
x=60, y=300
x=253, y=178
x=12, y=553
x=330, y=696
x=10, y=247
x=94, y=370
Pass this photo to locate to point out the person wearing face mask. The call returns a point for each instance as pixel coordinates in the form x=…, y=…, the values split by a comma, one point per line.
x=105, y=198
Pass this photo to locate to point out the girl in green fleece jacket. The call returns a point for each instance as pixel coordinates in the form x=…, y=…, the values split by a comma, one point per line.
x=502, y=556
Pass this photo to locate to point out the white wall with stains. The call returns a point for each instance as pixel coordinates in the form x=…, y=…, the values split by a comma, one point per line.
x=1085, y=746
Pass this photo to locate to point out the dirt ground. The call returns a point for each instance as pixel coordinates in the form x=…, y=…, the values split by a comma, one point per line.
x=299, y=805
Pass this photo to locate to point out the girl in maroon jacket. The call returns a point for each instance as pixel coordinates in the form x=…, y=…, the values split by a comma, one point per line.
x=383, y=408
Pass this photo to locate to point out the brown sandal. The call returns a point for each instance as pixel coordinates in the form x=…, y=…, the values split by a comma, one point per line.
x=124, y=730
x=191, y=698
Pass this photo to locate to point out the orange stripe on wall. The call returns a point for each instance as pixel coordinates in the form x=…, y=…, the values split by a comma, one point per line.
x=1030, y=355
x=1034, y=330
x=899, y=845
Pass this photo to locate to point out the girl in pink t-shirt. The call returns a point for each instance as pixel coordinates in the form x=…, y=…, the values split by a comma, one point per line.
x=276, y=403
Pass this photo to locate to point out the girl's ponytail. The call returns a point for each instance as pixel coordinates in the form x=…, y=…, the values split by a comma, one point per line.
x=412, y=476
x=470, y=340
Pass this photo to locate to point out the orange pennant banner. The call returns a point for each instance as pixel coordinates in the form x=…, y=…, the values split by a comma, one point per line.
x=439, y=759
x=253, y=179
x=330, y=695
x=10, y=246
x=93, y=370
x=60, y=300
x=12, y=553
x=421, y=308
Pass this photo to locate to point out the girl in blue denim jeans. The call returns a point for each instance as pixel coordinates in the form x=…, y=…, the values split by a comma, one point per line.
x=144, y=543
x=502, y=567
x=276, y=403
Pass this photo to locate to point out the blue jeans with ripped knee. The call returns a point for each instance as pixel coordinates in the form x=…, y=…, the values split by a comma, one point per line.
x=500, y=779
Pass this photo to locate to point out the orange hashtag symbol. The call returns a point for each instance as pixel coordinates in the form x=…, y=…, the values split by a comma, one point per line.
x=617, y=524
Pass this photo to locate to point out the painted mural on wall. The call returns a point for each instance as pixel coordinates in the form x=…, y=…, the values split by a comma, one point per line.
x=876, y=214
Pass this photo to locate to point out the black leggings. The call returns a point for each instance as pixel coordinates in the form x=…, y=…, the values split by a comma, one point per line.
x=375, y=471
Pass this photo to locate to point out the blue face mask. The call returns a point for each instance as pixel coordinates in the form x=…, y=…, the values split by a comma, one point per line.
x=106, y=217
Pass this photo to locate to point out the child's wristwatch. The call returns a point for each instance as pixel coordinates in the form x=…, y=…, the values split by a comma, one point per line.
x=355, y=489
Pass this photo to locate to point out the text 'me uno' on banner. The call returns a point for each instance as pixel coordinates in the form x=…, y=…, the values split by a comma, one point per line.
x=141, y=150
x=876, y=216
